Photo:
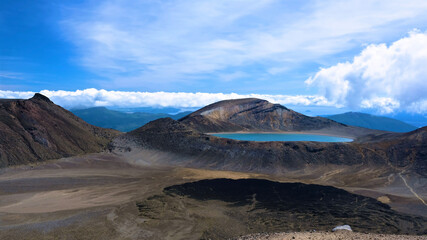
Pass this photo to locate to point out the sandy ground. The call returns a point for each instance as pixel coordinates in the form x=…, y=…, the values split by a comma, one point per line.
x=87, y=197
x=340, y=235
x=94, y=196
x=90, y=181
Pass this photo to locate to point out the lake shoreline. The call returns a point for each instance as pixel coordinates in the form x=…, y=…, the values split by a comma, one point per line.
x=328, y=137
x=282, y=132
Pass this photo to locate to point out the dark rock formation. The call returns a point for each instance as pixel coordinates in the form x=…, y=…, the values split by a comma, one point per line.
x=36, y=129
x=306, y=206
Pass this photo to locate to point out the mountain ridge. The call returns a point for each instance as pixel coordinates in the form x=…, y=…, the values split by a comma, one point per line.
x=125, y=122
x=372, y=121
x=188, y=141
x=252, y=114
x=36, y=129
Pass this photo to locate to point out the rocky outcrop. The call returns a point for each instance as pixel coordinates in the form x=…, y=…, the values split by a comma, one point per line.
x=36, y=129
x=306, y=206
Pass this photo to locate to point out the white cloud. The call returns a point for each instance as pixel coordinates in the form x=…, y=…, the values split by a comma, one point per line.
x=135, y=43
x=383, y=104
x=15, y=95
x=418, y=107
x=94, y=97
x=382, y=77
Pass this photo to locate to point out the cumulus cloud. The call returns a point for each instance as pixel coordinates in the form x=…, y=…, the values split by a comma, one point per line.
x=94, y=97
x=387, y=78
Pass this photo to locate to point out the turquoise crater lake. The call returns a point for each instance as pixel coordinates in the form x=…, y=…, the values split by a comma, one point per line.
x=271, y=137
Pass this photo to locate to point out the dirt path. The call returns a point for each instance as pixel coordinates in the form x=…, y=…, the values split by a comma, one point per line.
x=412, y=190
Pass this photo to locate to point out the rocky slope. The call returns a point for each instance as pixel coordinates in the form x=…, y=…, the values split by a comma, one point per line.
x=36, y=129
x=191, y=147
x=251, y=114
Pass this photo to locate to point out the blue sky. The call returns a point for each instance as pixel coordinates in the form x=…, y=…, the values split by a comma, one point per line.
x=289, y=51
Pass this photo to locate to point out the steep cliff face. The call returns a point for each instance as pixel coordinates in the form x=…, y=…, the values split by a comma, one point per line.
x=253, y=114
x=36, y=129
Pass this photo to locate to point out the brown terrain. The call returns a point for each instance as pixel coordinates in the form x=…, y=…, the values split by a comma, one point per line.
x=36, y=129
x=171, y=180
x=104, y=196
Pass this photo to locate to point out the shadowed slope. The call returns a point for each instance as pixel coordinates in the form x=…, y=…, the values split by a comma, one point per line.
x=36, y=129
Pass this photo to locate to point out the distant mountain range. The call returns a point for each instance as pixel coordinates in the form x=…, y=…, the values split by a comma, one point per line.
x=168, y=110
x=371, y=121
x=415, y=119
x=128, y=119
x=119, y=120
